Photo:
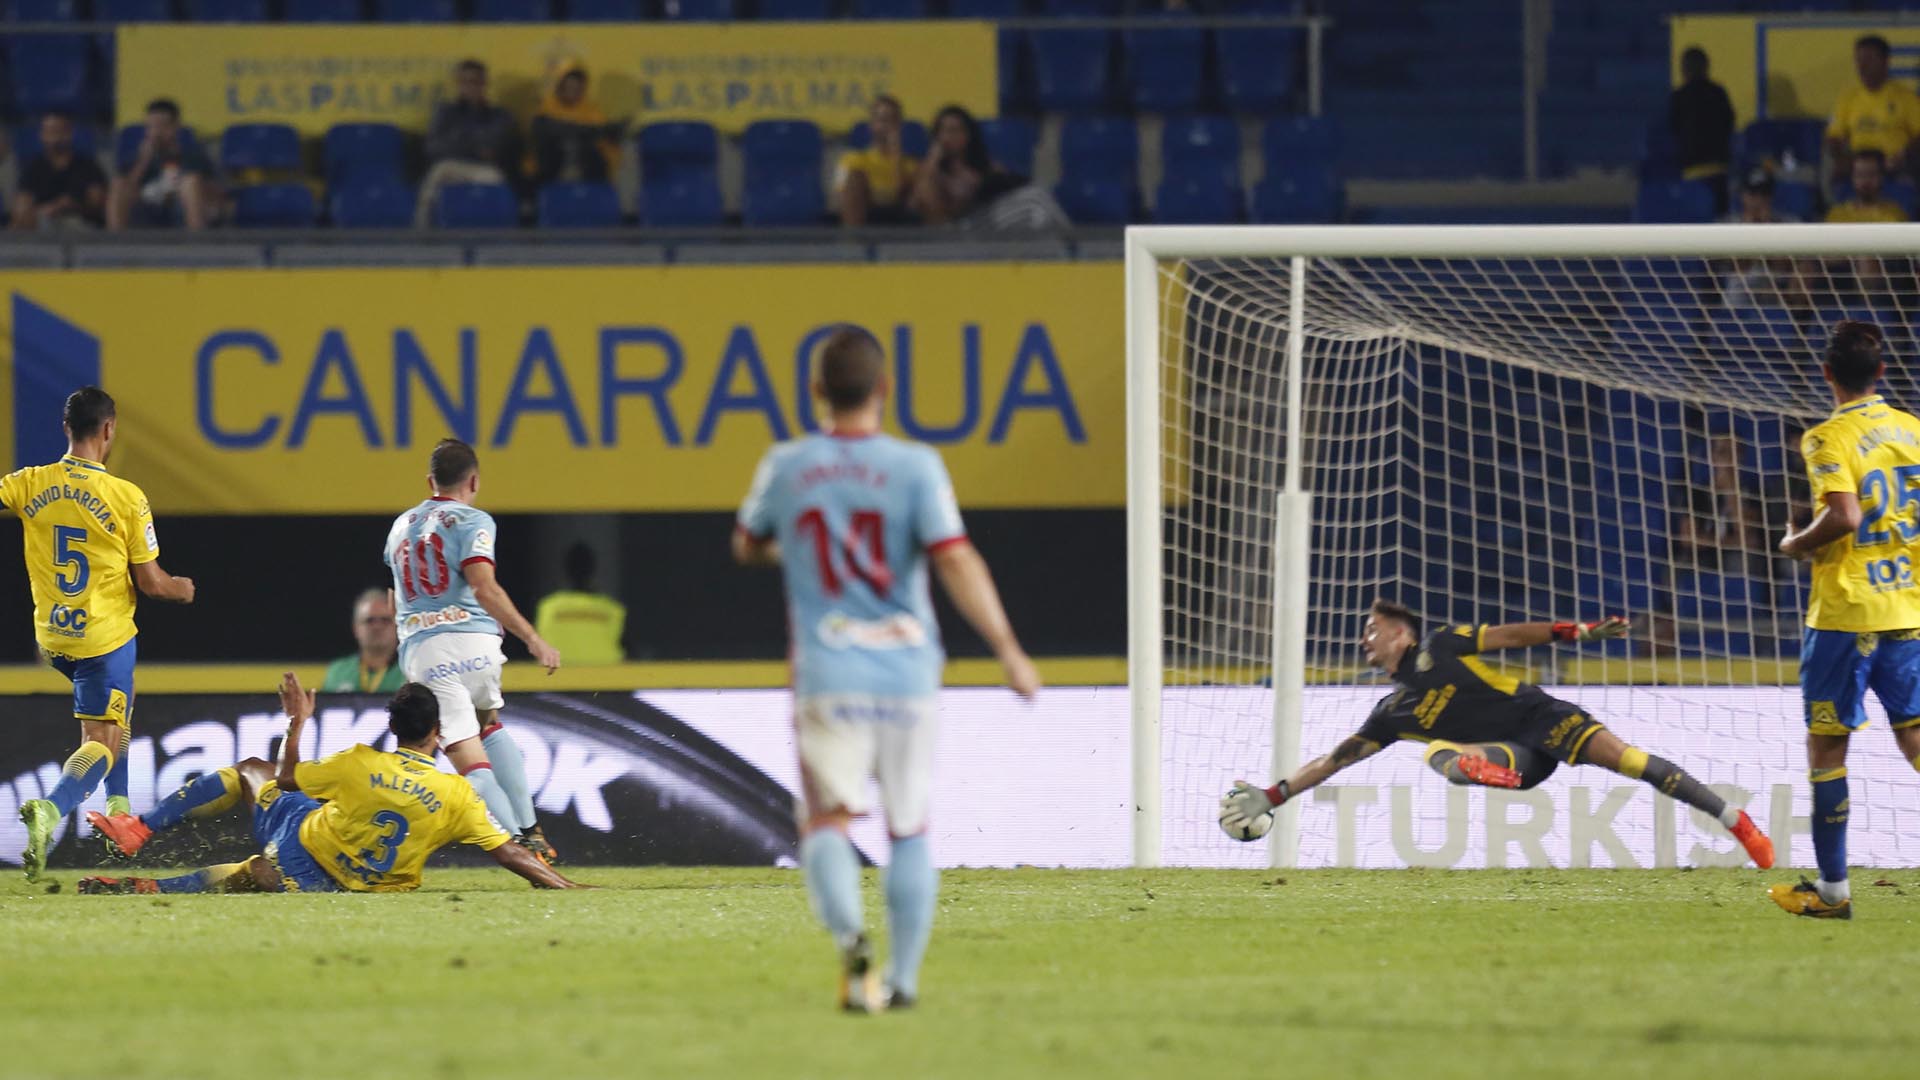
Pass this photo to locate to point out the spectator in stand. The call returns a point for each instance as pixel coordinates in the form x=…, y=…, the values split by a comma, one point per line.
x=583, y=624
x=572, y=139
x=1756, y=201
x=372, y=670
x=960, y=183
x=60, y=188
x=1701, y=116
x=470, y=140
x=1879, y=114
x=1723, y=522
x=1869, y=202
x=874, y=184
x=170, y=182
x=1761, y=283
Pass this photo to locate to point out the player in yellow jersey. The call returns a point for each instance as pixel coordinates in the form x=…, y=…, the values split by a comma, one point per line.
x=90, y=543
x=361, y=820
x=1863, y=618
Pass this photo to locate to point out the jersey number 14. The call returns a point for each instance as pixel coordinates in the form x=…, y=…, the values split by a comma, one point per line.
x=863, y=552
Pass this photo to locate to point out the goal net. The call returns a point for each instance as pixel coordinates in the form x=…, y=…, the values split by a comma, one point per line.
x=1489, y=426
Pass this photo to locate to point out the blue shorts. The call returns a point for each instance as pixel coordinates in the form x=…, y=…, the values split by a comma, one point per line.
x=102, y=685
x=1838, y=667
x=276, y=825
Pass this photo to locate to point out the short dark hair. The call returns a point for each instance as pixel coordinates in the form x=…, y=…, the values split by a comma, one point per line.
x=1878, y=157
x=1693, y=57
x=1856, y=354
x=469, y=64
x=164, y=105
x=57, y=114
x=889, y=99
x=413, y=713
x=1875, y=42
x=850, y=367
x=452, y=462
x=1384, y=608
x=88, y=409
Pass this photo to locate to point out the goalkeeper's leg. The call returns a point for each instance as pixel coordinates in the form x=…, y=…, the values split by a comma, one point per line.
x=1598, y=746
x=1501, y=765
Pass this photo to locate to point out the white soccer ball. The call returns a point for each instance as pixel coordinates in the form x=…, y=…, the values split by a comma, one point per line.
x=1244, y=829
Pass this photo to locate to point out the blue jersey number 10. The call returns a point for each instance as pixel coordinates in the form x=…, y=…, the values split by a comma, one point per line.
x=1892, y=490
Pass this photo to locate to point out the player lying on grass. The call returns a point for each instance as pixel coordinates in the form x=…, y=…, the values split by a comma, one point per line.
x=361, y=820
x=1482, y=726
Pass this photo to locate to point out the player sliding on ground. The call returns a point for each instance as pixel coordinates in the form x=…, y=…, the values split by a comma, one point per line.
x=1481, y=726
x=1863, y=614
x=855, y=517
x=361, y=820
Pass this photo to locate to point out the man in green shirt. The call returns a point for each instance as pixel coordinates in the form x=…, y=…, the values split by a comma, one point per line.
x=374, y=669
x=584, y=625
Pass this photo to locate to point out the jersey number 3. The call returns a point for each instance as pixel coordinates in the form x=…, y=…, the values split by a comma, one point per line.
x=423, y=568
x=864, y=551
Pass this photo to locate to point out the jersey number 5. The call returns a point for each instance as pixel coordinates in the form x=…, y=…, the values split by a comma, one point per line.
x=864, y=550
x=423, y=568
x=67, y=557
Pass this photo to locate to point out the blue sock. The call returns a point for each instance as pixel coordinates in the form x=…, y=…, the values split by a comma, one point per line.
x=1830, y=822
x=203, y=791
x=79, y=776
x=510, y=771
x=913, y=886
x=210, y=879
x=488, y=786
x=833, y=880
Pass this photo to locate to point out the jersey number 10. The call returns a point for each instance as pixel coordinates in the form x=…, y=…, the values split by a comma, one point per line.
x=864, y=551
x=423, y=569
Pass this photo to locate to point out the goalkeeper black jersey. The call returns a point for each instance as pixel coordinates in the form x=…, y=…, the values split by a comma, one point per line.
x=1443, y=690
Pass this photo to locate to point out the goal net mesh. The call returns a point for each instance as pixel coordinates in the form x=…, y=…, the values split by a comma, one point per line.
x=1502, y=440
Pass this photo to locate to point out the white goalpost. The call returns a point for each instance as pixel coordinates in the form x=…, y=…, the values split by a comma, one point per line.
x=1489, y=424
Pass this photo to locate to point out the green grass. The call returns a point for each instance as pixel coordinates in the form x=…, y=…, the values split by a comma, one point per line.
x=669, y=973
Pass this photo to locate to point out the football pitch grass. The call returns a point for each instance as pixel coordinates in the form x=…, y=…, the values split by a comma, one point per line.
x=1159, y=974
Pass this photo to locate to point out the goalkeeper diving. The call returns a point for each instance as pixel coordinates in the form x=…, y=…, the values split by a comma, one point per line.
x=1482, y=726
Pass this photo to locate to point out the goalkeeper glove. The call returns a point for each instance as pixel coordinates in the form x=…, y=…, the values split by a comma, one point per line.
x=1246, y=802
x=1613, y=626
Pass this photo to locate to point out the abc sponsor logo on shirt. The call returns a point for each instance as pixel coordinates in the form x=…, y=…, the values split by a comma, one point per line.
x=902, y=631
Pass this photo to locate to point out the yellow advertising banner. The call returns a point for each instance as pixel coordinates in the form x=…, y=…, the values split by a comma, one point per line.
x=727, y=74
x=1789, y=67
x=322, y=391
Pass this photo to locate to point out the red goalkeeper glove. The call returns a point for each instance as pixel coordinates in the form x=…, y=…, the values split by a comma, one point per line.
x=1613, y=626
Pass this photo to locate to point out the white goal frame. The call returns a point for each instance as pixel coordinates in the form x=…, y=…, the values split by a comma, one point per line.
x=1147, y=245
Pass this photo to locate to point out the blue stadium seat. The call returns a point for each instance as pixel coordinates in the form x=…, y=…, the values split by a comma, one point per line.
x=512, y=11
x=364, y=154
x=606, y=10
x=50, y=73
x=373, y=206
x=26, y=141
x=1100, y=144
x=476, y=206
x=1306, y=193
x=1071, y=69
x=46, y=10
x=322, y=11
x=1010, y=141
x=1258, y=71
x=913, y=138
x=1798, y=199
x=126, y=145
x=1904, y=193
x=782, y=173
x=282, y=206
x=1781, y=142
x=796, y=10
x=579, y=206
x=1163, y=67
x=1196, y=145
x=698, y=10
x=1659, y=152
x=682, y=202
x=677, y=147
x=1081, y=9
x=133, y=10
x=227, y=11
x=986, y=9
x=267, y=147
x=1096, y=200
x=1015, y=74
x=415, y=11
x=890, y=9
x=1290, y=140
x=1199, y=197
x=1673, y=202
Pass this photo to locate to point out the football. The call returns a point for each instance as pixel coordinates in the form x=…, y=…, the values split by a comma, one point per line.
x=1243, y=829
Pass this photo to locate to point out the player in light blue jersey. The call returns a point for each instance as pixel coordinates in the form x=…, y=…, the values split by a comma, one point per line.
x=450, y=610
x=855, y=517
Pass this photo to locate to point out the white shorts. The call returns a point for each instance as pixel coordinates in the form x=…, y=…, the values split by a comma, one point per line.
x=846, y=738
x=463, y=671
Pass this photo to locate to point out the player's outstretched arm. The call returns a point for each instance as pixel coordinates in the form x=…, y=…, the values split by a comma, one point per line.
x=1839, y=516
x=528, y=865
x=297, y=703
x=161, y=585
x=1526, y=635
x=1249, y=802
x=494, y=599
x=963, y=573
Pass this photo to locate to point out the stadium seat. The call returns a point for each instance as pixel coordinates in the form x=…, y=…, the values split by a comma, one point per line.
x=606, y=10
x=322, y=11
x=579, y=206
x=986, y=9
x=1081, y=9
x=1163, y=67
x=678, y=146
x=1096, y=200
x=913, y=138
x=698, y=10
x=415, y=11
x=227, y=11
x=1798, y=199
x=1904, y=193
x=1673, y=202
x=796, y=10
x=690, y=201
x=890, y=9
x=782, y=173
x=373, y=206
x=1199, y=197
x=265, y=147
x=1289, y=140
x=1659, y=152
x=1305, y=193
x=364, y=154
x=1789, y=144
x=512, y=11
x=1071, y=69
x=1194, y=145
x=133, y=10
x=679, y=185
x=274, y=206
x=50, y=74
x=45, y=11
x=1257, y=67
x=476, y=206
x=1015, y=74
x=126, y=145
x=1010, y=141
